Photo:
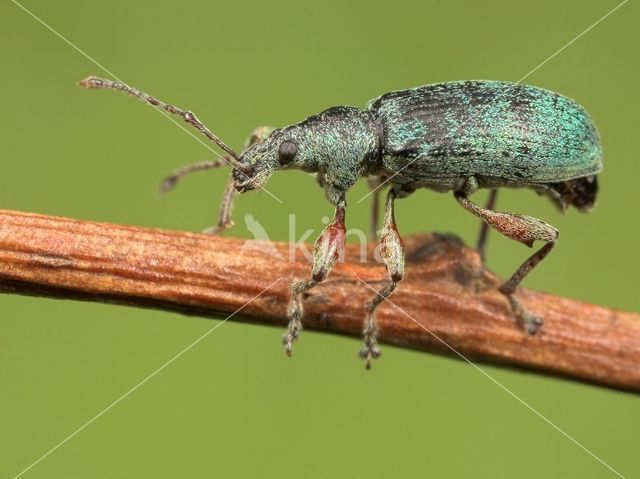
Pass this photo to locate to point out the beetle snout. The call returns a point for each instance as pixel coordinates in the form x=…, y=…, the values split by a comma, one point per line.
x=243, y=179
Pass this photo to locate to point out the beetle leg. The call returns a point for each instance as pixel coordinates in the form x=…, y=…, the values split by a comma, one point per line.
x=481, y=244
x=392, y=252
x=224, y=218
x=374, y=183
x=170, y=181
x=327, y=249
x=526, y=230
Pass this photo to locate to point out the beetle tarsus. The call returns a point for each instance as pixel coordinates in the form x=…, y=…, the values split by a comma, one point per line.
x=292, y=334
x=298, y=288
x=532, y=323
x=370, y=350
x=529, y=321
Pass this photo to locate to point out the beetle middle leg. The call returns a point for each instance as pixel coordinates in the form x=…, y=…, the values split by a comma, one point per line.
x=392, y=252
x=481, y=244
x=375, y=184
x=327, y=249
x=526, y=230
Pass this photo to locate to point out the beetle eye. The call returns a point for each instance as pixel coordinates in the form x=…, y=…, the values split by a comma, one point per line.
x=287, y=152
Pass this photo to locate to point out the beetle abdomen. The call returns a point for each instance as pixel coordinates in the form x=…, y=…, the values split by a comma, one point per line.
x=518, y=133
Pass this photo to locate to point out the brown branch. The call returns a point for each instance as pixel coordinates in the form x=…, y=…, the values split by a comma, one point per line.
x=446, y=291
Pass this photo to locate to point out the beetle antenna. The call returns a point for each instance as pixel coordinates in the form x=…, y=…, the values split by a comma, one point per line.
x=188, y=116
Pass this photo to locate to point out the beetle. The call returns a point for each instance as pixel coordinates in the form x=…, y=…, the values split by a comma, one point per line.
x=456, y=136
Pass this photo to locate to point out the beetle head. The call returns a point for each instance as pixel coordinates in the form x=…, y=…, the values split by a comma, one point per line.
x=341, y=136
x=284, y=148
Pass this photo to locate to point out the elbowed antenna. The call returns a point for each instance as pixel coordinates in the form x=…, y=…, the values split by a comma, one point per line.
x=187, y=116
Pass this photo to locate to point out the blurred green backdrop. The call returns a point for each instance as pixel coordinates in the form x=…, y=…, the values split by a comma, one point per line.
x=234, y=406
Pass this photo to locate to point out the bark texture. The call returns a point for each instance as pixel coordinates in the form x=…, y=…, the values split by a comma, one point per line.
x=447, y=304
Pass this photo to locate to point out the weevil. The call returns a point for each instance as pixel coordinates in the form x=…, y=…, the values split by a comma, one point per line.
x=449, y=137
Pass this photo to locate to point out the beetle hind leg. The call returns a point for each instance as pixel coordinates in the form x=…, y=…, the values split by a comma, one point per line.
x=526, y=230
x=532, y=323
x=392, y=252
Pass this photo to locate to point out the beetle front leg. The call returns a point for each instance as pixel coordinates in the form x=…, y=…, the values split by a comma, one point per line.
x=327, y=249
x=526, y=230
x=224, y=217
x=170, y=182
x=392, y=253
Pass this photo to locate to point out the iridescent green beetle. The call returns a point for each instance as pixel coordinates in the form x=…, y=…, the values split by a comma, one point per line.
x=456, y=136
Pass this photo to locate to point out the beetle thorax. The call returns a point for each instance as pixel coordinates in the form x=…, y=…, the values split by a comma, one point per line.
x=341, y=143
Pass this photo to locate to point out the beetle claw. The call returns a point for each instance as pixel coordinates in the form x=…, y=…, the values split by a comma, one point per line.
x=529, y=321
x=532, y=323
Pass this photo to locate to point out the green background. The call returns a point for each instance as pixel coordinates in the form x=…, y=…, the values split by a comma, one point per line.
x=234, y=406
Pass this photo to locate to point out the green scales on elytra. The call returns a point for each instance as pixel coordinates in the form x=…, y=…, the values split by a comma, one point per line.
x=486, y=129
x=455, y=136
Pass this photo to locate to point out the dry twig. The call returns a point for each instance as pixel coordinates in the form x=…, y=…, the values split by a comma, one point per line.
x=446, y=291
